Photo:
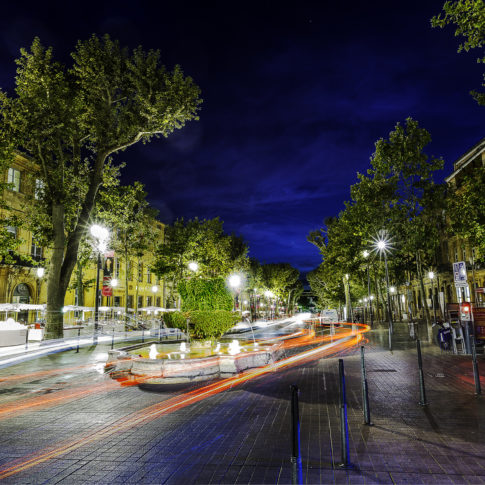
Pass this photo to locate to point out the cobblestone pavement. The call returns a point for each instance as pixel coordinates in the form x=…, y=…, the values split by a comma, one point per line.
x=92, y=430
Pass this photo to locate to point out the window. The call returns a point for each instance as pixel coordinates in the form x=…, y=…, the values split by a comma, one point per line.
x=130, y=301
x=474, y=254
x=140, y=302
x=36, y=250
x=117, y=267
x=140, y=272
x=149, y=276
x=456, y=254
x=14, y=179
x=39, y=187
x=158, y=301
x=463, y=253
x=149, y=301
x=117, y=301
x=12, y=230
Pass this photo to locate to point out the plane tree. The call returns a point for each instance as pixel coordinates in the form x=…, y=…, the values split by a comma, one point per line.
x=72, y=120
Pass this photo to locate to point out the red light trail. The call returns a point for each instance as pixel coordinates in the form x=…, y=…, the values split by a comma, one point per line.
x=344, y=340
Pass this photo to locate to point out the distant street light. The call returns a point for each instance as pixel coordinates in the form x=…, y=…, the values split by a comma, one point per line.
x=114, y=282
x=100, y=235
x=235, y=283
x=193, y=266
x=40, y=273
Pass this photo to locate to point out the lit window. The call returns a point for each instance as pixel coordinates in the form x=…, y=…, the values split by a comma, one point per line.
x=39, y=187
x=12, y=230
x=149, y=301
x=36, y=251
x=14, y=179
x=140, y=272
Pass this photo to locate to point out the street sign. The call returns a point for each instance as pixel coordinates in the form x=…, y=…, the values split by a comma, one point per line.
x=107, y=289
x=459, y=274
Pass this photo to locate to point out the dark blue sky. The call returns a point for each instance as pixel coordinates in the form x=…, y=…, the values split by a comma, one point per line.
x=295, y=95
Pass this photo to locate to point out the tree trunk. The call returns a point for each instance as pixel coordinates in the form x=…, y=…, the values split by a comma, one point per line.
x=347, y=299
x=80, y=285
x=127, y=276
x=55, y=290
x=423, y=292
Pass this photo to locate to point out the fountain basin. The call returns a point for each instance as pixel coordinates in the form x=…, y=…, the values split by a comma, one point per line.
x=165, y=370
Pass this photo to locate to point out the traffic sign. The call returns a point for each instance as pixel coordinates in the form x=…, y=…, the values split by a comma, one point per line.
x=459, y=274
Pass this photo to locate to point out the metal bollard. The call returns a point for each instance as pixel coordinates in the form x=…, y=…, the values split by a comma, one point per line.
x=422, y=389
x=27, y=339
x=78, y=337
x=142, y=334
x=113, y=339
x=476, y=375
x=160, y=333
x=365, y=390
x=296, y=466
x=390, y=339
x=344, y=425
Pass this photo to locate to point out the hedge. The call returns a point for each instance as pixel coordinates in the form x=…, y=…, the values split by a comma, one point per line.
x=205, y=294
x=205, y=324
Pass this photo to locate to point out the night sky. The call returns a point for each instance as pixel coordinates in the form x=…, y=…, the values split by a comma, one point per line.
x=295, y=95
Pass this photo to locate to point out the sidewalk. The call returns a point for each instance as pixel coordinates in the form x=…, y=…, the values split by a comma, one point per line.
x=243, y=435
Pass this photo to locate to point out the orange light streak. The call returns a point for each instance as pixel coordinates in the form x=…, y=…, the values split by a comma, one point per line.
x=155, y=411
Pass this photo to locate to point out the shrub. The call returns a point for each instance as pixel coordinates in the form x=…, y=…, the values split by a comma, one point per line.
x=205, y=294
x=175, y=320
x=213, y=323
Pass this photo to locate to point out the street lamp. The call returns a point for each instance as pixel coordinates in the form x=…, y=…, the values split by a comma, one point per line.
x=382, y=244
x=40, y=273
x=431, y=277
x=100, y=235
x=269, y=295
x=235, y=283
x=193, y=266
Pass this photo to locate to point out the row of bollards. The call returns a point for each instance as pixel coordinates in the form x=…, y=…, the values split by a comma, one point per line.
x=297, y=472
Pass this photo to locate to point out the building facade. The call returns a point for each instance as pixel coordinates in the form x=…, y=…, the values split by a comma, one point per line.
x=21, y=281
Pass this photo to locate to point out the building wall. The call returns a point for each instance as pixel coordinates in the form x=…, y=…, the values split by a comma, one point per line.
x=13, y=275
x=453, y=249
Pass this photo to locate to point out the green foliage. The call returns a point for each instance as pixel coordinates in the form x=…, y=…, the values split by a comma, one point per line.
x=69, y=120
x=466, y=210
x=204, y=324
x=204, y=242
x=205, y=294
x=468, y=16
x=212, y=324
x=398, y=195
x=176, y=320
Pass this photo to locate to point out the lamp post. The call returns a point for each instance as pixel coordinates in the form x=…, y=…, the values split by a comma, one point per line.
x=100, y=235
x=382, y=245
x=431, y=277
x=269, y=294
x=40, y=273
x=366, y=255
x=235, y=283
